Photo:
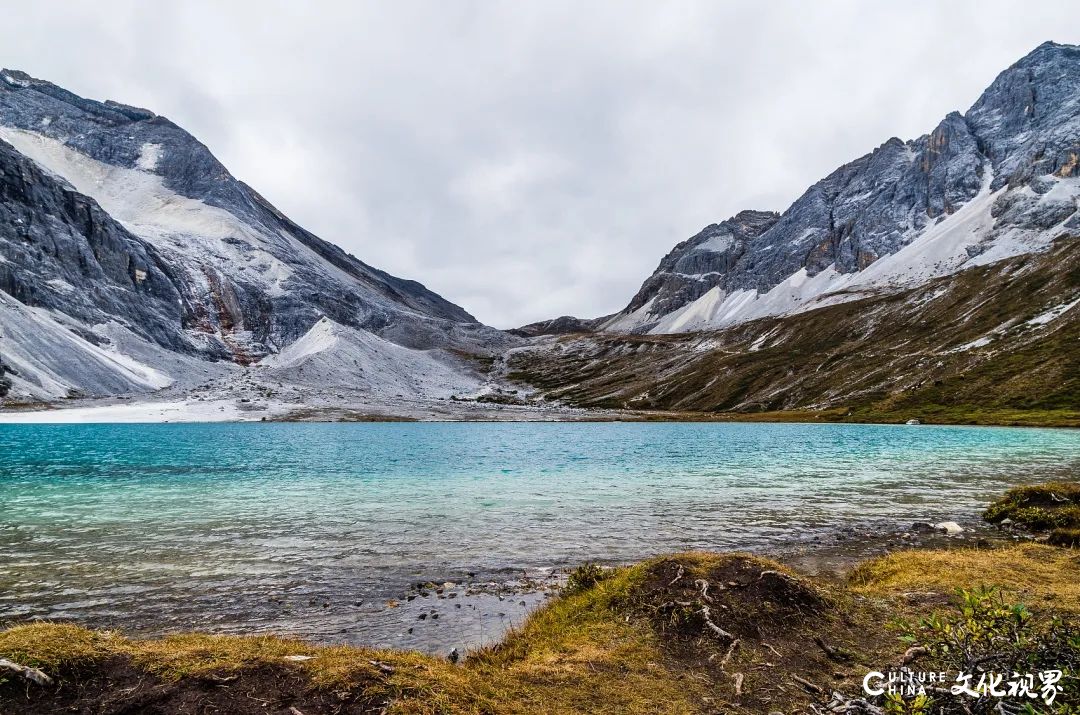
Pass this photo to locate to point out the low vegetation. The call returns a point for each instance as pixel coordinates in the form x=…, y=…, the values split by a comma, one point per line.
x=1053, y=507
x=966, y=349
x=1041, y=575
x=987, y=630
x=687, y=633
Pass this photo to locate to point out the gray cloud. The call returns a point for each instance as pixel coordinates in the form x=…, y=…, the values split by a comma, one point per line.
x=528, y=160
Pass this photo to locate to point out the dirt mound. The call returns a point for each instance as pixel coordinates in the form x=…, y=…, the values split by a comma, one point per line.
x=117, y=687
x=730, y=597
x=764, y=634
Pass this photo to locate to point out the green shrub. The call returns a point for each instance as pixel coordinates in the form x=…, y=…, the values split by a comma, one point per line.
x=987, y=633
x=1042, y=506
x=584, y=577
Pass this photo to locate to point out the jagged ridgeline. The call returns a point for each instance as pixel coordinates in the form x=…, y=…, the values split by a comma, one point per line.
x=998, y=181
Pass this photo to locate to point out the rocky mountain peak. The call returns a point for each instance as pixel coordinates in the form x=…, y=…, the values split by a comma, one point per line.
x=1023, y=133
x=1028, y=119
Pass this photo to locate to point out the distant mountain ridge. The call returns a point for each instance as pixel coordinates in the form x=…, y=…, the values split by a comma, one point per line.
x=937, y=278
x=999, y=181
x=936, y=271
x=121, y=233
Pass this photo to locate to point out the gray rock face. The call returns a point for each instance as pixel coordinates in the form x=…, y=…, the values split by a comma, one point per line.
x=1028, y=120
x=62, y=252
x=564, y=325
x=5, y=381
x=695, y=265
x=110, y=213
x=1022, y=134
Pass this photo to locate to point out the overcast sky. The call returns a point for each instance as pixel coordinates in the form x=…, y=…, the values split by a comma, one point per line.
x=531, y=159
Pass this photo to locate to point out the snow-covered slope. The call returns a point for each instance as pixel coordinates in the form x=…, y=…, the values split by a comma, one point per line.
x=113, y=216
x=1000, y=181
x=332, y=354
x=43, y=353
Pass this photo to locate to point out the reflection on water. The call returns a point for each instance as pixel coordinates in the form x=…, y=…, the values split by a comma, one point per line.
x=310, y=528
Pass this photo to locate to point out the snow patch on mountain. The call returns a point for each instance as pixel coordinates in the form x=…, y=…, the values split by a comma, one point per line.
x=149, y=156
x=971, y=345
x=964, y=239
x=1054, y=313
x=42, y=348
x=141, y=202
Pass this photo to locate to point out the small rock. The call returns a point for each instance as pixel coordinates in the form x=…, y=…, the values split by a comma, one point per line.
x=949, y=527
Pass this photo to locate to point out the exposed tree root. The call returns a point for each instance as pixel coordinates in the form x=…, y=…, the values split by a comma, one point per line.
x=32, y=674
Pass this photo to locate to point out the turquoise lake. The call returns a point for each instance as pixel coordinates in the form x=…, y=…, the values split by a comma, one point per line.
x=312, y=528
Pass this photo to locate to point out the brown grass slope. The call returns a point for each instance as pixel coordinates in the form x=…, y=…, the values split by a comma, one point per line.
x=879, y=358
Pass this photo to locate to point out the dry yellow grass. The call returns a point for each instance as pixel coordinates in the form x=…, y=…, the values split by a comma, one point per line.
x=1034, y=572
x=51, y=645
x=570, y=657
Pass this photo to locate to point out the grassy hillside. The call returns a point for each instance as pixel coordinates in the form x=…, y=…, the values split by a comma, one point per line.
x=977, y=347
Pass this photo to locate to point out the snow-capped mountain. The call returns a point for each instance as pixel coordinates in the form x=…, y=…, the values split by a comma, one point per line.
x=999, y=181
x=132, y=260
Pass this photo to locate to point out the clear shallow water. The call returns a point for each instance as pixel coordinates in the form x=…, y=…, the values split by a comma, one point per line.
x=310, y=528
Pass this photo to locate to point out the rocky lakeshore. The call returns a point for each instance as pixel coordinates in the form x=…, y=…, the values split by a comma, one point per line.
x=460, y=611
x=681, y=633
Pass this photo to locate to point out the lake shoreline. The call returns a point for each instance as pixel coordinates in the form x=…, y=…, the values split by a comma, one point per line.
x=693, y=632
x=466, y=410
x=315, y=530
x=793, y=639
x=454, y=611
